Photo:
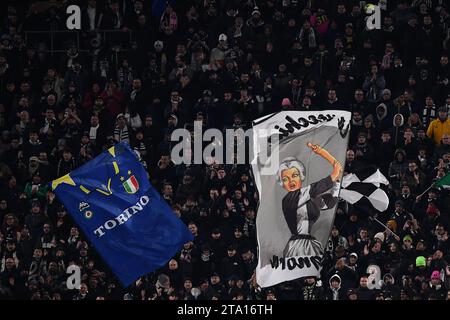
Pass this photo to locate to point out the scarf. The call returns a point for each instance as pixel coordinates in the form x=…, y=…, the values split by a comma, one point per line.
x=308, y=292
x=386, y=63
x=171, y=20
x=311, y=37
x=335, y=293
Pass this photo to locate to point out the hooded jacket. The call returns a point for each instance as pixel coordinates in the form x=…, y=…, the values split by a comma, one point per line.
x=382, y=120
x=397, y=131
x=397, y=169
x=335, y=293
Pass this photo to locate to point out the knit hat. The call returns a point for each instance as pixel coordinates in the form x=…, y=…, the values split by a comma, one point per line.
x=407, y=237
x=223, y=37
x=380, y=236
x=435, y=275
x=256, y=11
x=286, y=102
x=400, y=203
x=421, y=261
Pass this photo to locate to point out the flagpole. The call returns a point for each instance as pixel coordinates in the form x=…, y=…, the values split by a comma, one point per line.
x=381, y=223
x=432, y=185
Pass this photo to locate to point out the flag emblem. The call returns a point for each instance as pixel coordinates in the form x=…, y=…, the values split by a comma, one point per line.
x=88, y=214
x=131, y=185
x=83, y=206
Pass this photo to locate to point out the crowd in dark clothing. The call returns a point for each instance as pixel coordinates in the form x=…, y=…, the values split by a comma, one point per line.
x=224, y=63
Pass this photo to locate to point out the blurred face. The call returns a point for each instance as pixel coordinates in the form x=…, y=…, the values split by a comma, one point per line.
x=412, y=166
x=11, y=246
x=227, y=96
x=168, y=190
x=376, y=247
x=440, y=230
x=83, y=288
x=335, y=284
x=357, y=116
x=334, y=232
x=363, y=234
x=35, y=209
x=332, y=95
x=291, y=179
x=215, y=279
x=9, y=263
x=246, y=256
x=446, y=139
x=309, y=92
x=23, y=102
x=361, y=139
x=74, y=231
x=408, y=134
x=306, y=101
x=173, y=264
x=49, y=114
x=406, y=190
x=442, y=115
x=350, y=155
x=270, y=296
x=137, y=84
x=24, y=87
x=67, y=155
x=363, y=282
x=420, y=246
x=46, y=228
x=188, y=284
x=193, y=228
x=94, y=121
x=37, y=253
x=374, y=69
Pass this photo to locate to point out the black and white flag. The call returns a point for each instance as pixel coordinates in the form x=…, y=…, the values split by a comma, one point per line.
x=365, y=183
x=298, y=186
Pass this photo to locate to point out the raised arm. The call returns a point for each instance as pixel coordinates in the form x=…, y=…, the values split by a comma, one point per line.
x=337, y=167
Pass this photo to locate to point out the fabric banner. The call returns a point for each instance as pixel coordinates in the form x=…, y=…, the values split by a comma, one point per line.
x=131, y=226
x=298, y=199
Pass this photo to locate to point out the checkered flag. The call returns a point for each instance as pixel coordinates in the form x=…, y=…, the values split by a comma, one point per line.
x=365, y=183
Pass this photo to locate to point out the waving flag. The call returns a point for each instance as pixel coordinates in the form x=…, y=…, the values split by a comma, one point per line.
x=444, y=182
x=159, y=6
x=365, y=184
x=298, y=200
x=127, y=221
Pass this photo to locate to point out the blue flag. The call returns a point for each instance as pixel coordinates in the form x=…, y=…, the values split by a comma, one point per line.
x=125, y=218
x=159, y=6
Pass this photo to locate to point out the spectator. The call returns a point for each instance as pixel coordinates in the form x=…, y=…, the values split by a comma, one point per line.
x=224, y=64
x=439, y=126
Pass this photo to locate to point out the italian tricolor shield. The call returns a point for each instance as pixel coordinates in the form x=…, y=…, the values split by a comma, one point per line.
x=131, y=185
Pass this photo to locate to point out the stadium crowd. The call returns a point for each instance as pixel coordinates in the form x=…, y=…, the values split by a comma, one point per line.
x=225, y=63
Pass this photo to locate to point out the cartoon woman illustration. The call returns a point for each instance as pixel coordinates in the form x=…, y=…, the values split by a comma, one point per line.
x=302, y=205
